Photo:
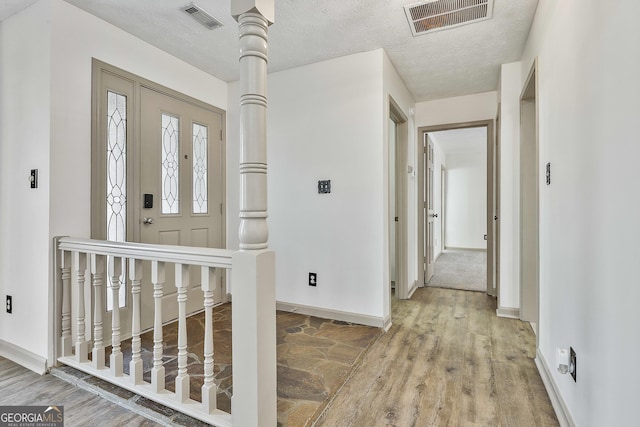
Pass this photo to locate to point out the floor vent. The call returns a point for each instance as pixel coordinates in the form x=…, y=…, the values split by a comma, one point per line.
x=202, y=17
x=435, y=15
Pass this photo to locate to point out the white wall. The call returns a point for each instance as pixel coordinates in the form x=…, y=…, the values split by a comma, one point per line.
x=589, y=230
x=394, y=88
x=510, y=88
x=324, y=122
x=77, y=38
x=469, y=108
x=46, y=124
x=328, y=120
x=466, y=199
x=25, y=97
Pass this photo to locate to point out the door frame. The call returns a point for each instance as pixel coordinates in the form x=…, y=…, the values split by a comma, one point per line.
x=497, y=201
x=491, y=195
x=134, y=85
x=396, y=115
x=134, y=155
x=530, y=238
x=443, y=206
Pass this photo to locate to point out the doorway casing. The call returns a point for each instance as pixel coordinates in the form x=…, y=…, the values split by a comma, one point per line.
x=492, y=216
x=403, y=290
x=529, y=199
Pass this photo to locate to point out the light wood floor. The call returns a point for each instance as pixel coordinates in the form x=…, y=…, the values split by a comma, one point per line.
x=20, y=386
x=446, y=361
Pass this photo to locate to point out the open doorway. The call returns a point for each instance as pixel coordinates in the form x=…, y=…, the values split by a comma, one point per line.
x=457, y=217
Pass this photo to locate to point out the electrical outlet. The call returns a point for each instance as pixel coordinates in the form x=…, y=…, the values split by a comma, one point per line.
x=9, y=304
x=572, y=363
x=313, y=279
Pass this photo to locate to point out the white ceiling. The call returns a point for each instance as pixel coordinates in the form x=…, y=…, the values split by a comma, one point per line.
x=453, y=62
x=470, y=140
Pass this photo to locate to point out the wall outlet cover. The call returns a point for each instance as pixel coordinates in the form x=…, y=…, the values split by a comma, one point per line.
x=313, y=279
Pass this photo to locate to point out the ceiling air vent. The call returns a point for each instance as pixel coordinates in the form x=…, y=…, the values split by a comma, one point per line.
x=435, y=15
x=202, y=17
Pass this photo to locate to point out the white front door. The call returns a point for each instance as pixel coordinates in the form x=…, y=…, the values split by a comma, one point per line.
x=181, y=185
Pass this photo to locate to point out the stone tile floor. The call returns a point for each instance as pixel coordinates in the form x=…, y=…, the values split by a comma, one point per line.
x=315, y=357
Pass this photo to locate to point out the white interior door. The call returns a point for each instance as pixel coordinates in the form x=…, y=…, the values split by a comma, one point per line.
x=429, y=214
x=181, y=184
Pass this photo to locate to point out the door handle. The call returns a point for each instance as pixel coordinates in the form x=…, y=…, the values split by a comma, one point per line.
x=435, y=215
x=147, y=221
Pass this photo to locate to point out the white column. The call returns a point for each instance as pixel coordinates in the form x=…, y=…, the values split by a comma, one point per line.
x=253, y=25
x=253, y=271
x=254, y=339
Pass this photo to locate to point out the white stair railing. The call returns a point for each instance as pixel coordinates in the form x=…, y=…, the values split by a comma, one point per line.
x=81, y=277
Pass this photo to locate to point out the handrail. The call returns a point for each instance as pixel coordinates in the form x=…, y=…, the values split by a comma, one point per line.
x=209, y=257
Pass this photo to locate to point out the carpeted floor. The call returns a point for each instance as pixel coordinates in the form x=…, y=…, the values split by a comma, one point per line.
x=460, y=269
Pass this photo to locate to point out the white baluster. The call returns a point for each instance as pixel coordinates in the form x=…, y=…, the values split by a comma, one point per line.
x=182, y=379
x=115, y=271
x=157, y=372
x=97, y=273
x=135, y=366
x=209, y=388
x=82, y=346
x=65, y=336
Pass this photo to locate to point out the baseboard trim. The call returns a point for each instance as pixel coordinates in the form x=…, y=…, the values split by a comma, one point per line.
x=21, y=356
x=327, y=313
x=509, y=312
x=559, y=406
x=457, y=248
x=387, y=323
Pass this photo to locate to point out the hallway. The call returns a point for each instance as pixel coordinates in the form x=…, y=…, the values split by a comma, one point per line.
x=447, y=360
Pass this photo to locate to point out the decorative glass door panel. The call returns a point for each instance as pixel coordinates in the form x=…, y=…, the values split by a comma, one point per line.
x=181, y=166
x=200, y=168
x=116, y=167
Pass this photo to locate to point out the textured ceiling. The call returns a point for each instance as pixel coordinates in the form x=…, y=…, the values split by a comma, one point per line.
x=470, y=140
x=454, y=62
